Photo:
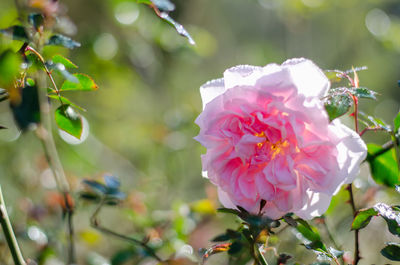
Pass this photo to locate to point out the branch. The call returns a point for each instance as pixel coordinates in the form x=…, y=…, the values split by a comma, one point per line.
x=95, y=224
x=356, y=231
x=9, y=233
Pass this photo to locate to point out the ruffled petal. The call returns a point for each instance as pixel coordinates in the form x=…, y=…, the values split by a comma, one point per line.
x=307, y=77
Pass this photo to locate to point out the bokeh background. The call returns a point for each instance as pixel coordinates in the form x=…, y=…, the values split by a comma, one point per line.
x=141, y=119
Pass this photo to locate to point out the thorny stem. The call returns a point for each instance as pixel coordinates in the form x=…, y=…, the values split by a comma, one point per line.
x=44, y=133
x=95, y=224
x=350, y=187
x=9, y=233
x=259, y=256
x=356, y=231
x=29, y=48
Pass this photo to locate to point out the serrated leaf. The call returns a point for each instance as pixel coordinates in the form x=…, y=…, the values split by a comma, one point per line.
x=36, y=20
x=391, y=251
x=338, y=105
x=27, y=111
x=178, y=27
x=311, y=234
x=16, y=33
x=384, y=167
x=391, y=217
x=69, y=121
x=65, y=101
x=85, y=83
x=61, y=40
x=362, y=218
x=60, y=68
x=363, y=92
x=64, y=61
x=397, y=123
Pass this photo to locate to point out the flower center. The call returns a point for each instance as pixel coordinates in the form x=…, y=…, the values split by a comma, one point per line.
x=273, y=148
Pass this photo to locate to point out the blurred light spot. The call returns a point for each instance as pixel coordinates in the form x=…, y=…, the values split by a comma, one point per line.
x=37, y=235
x=47, y=179
x=359, y=183
x=96, y=259
x=170, y=41
x=66, y=26
x=206, y=44
x=185, y=251
x=184, y=210
x=141, y=54
x=387, y=109
x=73, y=140
x=377, y=22
x=175, y=140
x=267, y=4
x=105, y=46
x=173, y=118
x=313, y=3
x=126, y=13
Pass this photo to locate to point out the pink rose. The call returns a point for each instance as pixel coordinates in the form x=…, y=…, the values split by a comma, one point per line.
x=268, y=137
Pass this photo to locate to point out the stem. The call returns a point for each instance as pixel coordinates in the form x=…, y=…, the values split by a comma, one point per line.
x=356, y=231
x=259, y=256
x=9, y=233
x=45, y=135
x=95, y=224
x=29, y=48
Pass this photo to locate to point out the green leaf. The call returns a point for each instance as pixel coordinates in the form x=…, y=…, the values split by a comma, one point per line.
x=384, y=167
x=61, y=40
x=178, y=27
x=36, y=20
x=84, y=83
x=64, y=61
x=397, y=123
x=391, y=217
x=65, y=101
x=27, y=111
x=16, y=33
x=9, y=67
x=338, y=105
x=362, y=218
x=391, y=251
x=69, y=121
x=96, y=186
x=123, y=256
x=147, y=2
x=363, y=92
x=164, y=5
x=311, y=234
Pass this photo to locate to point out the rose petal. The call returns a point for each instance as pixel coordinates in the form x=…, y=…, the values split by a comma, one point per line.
x=307, y=77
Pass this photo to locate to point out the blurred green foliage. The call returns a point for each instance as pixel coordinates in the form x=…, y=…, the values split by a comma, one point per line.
x=141, y=117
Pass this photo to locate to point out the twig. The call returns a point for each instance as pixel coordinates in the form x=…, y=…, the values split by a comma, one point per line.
x=40, y=57
x=47, y=140
x=259, y=256
x=356, y=231
x=95, y=224
x=9, y=233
